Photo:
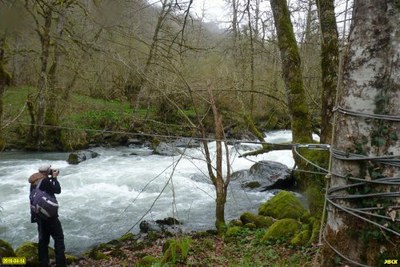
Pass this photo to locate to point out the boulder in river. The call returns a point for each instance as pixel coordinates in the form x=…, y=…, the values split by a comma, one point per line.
x=167, y=225
x=78, y=157
x=265, y=175
x=167, y=149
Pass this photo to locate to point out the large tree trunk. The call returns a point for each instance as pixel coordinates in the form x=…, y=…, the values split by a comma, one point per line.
x=329, y=65
x=363, y=215
x=296, y=97
x=292, y=75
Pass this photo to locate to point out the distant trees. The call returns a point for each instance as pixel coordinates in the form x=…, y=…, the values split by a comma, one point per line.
x=7, y=21
x=5, y=79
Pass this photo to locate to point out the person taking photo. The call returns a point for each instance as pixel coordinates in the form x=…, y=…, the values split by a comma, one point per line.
x=46, y=179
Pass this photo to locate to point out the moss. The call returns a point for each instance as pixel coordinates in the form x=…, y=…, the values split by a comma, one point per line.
x=147, y=261
x=117, y=253
x=250, y=226
x=233, y=231
x=284, y=228
x=283, y=205
x=96, y=253
x=301, y=238
x=126, y=237
x=316, y=227
x=258, y=220
x=236, y=222
x=315, y=200
x=252, y=185
x=70, y=259
x=6, y=249
x=29, y=250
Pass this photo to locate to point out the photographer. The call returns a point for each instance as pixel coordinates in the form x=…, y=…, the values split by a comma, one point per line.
x=51, y=226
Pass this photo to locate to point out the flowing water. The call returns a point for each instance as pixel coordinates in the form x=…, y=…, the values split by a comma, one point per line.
x=103, y=198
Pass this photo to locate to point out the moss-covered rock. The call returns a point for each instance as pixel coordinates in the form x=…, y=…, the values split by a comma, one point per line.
x=284, y=228
x=283, y=205
x=250, y=226
x=258, y=220
x=236, y=222
x=29, y=250
x=6, y=249
x=301, y=238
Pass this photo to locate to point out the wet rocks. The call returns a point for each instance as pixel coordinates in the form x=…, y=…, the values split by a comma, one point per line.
x=265, y=175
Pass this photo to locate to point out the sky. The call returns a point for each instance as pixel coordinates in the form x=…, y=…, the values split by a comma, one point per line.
x=215, y=10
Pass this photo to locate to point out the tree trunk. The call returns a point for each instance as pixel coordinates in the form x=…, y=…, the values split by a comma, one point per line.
x=5, y=79
x=329, y=66
x=53, y=135
x=44, y=35
x=363, y=215
x=291, y=68
x=220, y=184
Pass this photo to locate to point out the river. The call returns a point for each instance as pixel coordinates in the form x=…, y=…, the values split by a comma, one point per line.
x=103, y=198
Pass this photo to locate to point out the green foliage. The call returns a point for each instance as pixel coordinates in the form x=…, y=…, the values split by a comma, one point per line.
x=233, y=231
x=283, y=205
x=176, y=250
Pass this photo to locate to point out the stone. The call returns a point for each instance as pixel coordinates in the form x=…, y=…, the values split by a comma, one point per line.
x=78, y=157
x=284, y=228
x=167, y=149
x=283, y=205
x=265, y=175
x=258, y=220
x=166, y=225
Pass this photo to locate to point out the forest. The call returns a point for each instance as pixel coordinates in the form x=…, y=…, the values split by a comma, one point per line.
x=78, y=73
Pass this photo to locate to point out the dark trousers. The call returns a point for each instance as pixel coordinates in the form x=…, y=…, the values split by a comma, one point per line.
x=46, y=228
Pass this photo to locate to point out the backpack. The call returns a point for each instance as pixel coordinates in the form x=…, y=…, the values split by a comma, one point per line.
x=43, y=205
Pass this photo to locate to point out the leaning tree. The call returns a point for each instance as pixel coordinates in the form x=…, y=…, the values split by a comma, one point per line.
x=364, y=195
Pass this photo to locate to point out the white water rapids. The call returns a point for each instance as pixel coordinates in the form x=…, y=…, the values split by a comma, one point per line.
x=102, y=198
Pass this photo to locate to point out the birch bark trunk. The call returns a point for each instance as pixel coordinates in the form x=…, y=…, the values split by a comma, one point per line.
x=363, y=215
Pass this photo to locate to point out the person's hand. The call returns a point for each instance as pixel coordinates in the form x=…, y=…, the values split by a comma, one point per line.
x=55, y=173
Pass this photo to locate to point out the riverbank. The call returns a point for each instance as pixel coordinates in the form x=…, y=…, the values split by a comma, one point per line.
x=243, y=248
